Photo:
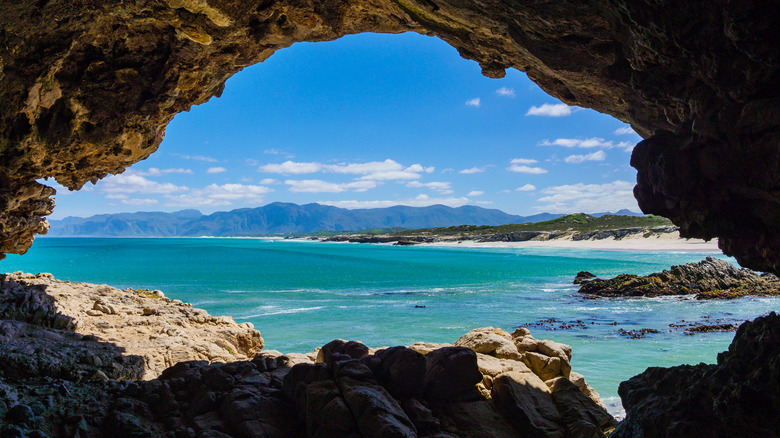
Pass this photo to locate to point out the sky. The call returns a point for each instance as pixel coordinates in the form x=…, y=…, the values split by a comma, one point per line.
x=370, y=121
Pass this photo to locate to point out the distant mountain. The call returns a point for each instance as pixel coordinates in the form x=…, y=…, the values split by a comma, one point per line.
x=623, y=212
x=280, y=218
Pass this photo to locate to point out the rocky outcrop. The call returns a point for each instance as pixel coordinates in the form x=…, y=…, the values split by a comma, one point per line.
x=738, y=396
x=88, y=88
x=96, y=324
x=341, y=389
x=709, y=279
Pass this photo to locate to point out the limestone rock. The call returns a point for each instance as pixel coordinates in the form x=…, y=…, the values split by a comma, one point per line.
x=142, y=323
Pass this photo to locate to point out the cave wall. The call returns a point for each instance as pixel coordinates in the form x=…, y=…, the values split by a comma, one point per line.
x=88, y=86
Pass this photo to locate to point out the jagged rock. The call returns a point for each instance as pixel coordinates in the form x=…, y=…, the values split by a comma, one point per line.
x=375, y=411
x=710, y=278
x=581, y=415
x=32, y=351
x=583, y=275
x=546, y=367
x=738, y=396
x=143, y=323
x=526, y=401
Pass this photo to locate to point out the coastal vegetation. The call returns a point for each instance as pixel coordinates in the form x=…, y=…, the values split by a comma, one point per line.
x=578, y=222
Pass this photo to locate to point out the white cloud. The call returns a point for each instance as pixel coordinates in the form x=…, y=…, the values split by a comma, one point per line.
x=418, y=201
x=291, y=167
x=506, y=92
x=475, y=102
x=275, y=151
x=116, y=196
x=218, y=195
x=440, y=186
x=626, y=146
x=130, y=183
x=484, y=202
x=476, y=193
x=216, y=170
x=196, y=158
x=474, y=170
x=593, y=142
x=526, y=188
x=589, y=198
x=624, y=130
x=139, y=202
x=370, y=167
x=550, y=110
x=595, y=156
x=268, y=181
x=252, y=162
x=319, y=186
x=520, y=165
x=372, y=170
x=523, y=161
x=153, y=171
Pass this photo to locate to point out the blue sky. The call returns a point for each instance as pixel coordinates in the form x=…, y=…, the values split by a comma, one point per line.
x=372, y=121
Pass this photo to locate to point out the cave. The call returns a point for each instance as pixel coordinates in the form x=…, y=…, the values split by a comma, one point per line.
x=697, y=81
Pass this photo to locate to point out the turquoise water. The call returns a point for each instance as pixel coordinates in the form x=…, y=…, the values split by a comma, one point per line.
x=302, y=294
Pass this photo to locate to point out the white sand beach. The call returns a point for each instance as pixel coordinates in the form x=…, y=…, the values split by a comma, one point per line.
x=665, y=242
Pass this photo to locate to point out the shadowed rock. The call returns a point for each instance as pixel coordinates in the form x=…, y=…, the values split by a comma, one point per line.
x=738, y=396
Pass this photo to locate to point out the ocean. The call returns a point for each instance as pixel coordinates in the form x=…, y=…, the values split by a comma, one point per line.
x=303, y=294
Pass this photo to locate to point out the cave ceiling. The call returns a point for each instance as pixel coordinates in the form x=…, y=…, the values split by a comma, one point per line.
x=88, y=86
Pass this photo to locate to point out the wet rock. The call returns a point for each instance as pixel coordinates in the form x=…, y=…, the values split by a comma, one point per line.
x=583, y=275
x=708, y=279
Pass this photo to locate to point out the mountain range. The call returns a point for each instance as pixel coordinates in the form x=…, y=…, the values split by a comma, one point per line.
x=283, y=218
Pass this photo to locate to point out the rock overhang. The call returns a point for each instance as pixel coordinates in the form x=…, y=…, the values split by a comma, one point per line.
x=89, y=86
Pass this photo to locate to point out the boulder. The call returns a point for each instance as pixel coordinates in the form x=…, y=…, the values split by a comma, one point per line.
x=402, y=371
x=547, y=367
x=581, y=415
x=475, y=419
x=489, y=340
x=451, y=371
x=375, y=411
x=527, y=403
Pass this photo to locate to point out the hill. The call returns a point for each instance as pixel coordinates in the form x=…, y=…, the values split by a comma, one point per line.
x=579, y=223
x=280, y=218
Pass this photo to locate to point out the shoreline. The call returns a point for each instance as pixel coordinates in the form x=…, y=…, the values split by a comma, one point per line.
x=649, y=244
